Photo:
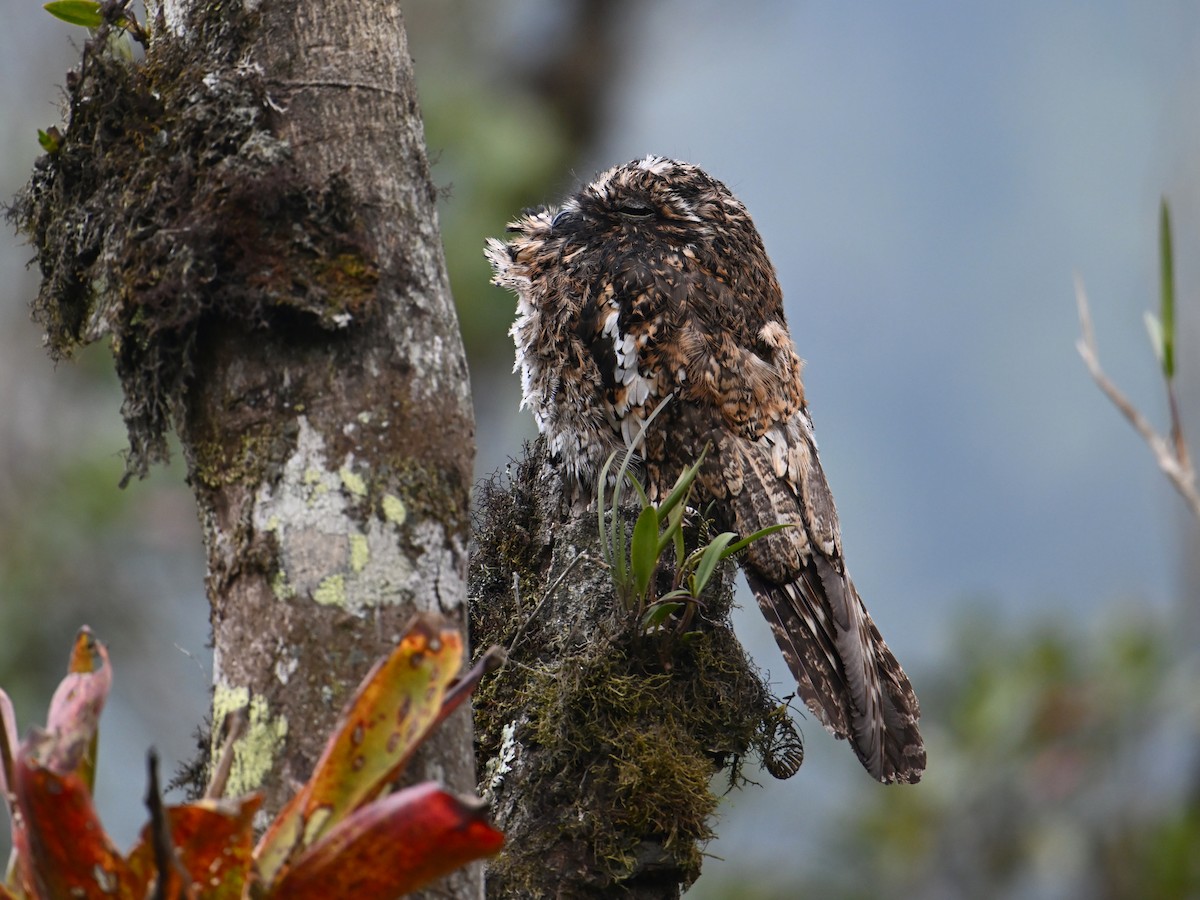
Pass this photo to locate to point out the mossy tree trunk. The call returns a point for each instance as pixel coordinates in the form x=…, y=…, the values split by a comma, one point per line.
x=599, y=742
x=248, y=213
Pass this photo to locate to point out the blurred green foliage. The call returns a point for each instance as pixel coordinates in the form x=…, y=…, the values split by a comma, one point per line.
x=493, y=153
x=1063, y=763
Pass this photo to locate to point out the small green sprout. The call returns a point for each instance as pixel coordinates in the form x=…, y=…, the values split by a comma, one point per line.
x=1161, y=328
x=635, y=559
x=92, y=14
x=50, y=140
x=76, y=12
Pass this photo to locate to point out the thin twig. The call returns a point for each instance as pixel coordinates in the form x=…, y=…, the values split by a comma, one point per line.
x=546, y=596
x=1174, y=463
x=235, y=724
x=166, y=862
x=1177, y=439
x=491, y=660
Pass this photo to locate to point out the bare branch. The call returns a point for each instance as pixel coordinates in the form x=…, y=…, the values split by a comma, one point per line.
x=1172, y=456
x=546, y=596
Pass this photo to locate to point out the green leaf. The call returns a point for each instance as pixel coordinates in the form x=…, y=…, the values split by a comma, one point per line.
x=643, y=549
x=713, y=553
x=606, y=548
x=76, y=12
x=619, y=545
x=680, y=549
x=641, y=492
x=659, y=613
x=673, y=532
x=761, y=533
x=620, y=552
x=51, y=140
x=683, y=486
x=1167, y=307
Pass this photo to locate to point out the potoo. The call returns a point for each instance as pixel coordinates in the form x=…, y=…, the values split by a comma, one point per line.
x=651, y=286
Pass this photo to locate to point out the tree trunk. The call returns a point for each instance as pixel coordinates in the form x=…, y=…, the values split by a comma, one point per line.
x=248, y=213
x=598, y=742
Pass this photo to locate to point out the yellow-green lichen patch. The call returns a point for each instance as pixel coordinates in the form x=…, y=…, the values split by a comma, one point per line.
x=254, y=753
x=280, y=586
x=331, y=591
x=315, y=481
x=394, y=510
x=360, y=552
x=353, y=482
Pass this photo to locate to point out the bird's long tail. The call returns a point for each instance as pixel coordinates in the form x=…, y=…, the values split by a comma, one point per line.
x=844, y=671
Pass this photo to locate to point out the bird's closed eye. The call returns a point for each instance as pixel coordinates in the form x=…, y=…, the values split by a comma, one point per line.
x=634, y=211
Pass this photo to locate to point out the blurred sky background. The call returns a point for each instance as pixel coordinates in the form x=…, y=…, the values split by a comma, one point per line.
x=927, y=177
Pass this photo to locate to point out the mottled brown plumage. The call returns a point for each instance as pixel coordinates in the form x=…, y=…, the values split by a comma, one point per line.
x=652, y=282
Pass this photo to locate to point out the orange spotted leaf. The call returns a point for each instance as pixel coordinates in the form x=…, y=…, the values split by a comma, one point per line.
x=213, y=841
x=395, y=707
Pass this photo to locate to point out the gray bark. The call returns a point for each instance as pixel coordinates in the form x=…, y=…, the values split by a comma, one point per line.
x=358, y=519
x=248, y=213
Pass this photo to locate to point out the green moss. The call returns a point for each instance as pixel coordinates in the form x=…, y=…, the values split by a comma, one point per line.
x=218, y=464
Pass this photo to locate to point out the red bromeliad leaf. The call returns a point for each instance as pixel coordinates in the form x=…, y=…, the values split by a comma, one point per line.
x=8, y=743
x=390, y=847
x=68, y=853
x=76, y=706
x=20, y=877
x=9, y=873
x=394, y=708
x=213, y=842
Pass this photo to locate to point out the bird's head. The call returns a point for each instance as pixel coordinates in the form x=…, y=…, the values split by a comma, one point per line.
x=641, y=208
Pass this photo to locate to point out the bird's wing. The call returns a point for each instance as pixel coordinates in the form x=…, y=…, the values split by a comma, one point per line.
x=844, y=671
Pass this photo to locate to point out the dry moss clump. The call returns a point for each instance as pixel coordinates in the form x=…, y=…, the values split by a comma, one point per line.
x=169, y=203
